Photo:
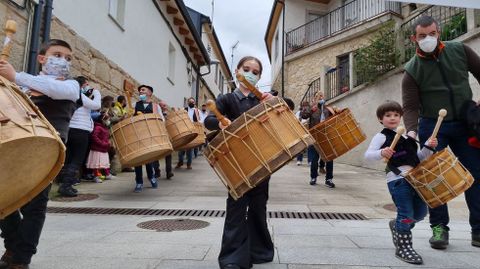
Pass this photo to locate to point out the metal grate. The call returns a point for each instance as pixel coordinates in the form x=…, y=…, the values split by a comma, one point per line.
x=169, y=225
x=201, y=213
x=78, y=198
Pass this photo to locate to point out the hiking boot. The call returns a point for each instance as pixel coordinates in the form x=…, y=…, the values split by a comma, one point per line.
x=439, y=240
x=67, y=191
x=313, y=181
x=6, y=259
x=329, y=183
x=391, y=224
x=405, y=251
x=476, y=240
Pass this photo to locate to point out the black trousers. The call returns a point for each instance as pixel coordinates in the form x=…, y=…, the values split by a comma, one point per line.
x=246, y=238
x=21, y=233
x=77, y=148
x=168, y=166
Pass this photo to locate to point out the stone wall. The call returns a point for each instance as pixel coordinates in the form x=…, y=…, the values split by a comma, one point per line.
x=18, y=51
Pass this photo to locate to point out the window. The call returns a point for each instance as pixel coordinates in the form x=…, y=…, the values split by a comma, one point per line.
x=116, y=11
x=222, y=79
x=276, y=45
x=216, y=74
x=313, y=16
x=171, y=63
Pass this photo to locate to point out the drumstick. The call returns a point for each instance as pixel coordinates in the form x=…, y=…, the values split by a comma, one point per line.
x=400, y=131
x=212, y=107
x=10, y=30
x=249, y=86
x=441, y=114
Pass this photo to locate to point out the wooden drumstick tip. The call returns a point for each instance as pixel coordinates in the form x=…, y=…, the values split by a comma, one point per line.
x=211, y=105
x=400, y=130
x=11, y=26
x=442, y=113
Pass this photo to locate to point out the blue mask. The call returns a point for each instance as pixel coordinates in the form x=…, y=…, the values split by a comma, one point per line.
x=251, y=78
x=143, y=97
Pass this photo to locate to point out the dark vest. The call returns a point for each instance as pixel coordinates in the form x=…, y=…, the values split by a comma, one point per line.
x=139, y=107
x=434, y=93
x=57, y=112
x=405, y=150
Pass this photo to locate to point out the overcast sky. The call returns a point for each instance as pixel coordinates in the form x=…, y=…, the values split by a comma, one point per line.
x=245, y=21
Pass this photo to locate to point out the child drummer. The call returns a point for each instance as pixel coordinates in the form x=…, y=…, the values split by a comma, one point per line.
x=246, y=239
x=404, y=157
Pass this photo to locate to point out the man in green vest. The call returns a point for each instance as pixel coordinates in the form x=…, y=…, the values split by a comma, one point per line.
x=435, y=78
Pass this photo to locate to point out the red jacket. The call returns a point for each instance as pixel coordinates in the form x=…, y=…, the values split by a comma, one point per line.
x=100, y=138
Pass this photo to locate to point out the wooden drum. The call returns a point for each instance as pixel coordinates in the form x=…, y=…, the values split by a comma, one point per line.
x=255, y=145
x=440, y=178
x=31, y=152
x=337, y=135
x=141, y=139
x=180, y=128
x=199, y=140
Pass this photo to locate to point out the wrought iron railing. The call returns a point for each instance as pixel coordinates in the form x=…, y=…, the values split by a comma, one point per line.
x=344, y=17
x=452, y=21
x=313, y=88
x=337, y=81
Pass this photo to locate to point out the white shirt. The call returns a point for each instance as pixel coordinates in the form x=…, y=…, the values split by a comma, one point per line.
x=81, y=118
x=203, y=115
x=191, y=112
x=50, y=86
x=374, y=153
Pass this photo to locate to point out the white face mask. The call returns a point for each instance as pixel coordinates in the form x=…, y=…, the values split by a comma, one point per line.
x=428, y=44
x=55, y=66
x=250, y=77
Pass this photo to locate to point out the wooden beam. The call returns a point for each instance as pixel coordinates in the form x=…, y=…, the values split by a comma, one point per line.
x=189, y=41
x=178, y=21
x=171, y=10
x=183, y=31
x=198, y=57
x=193, y=49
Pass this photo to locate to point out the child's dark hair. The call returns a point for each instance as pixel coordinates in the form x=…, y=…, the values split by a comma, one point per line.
x=249, y=58
x=120, y=98
x=389, y=106
x=290, y=103
x=51, y=43
x=145, y=86
x=81, y=80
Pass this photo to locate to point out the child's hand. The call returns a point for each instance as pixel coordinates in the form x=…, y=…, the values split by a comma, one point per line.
x=266, y=96
x=412, y=134
x=7, y=71
x=224, y=126
x=432, y=142
x=387, y=152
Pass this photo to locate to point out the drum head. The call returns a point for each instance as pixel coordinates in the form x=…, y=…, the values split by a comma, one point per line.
x=28, y=165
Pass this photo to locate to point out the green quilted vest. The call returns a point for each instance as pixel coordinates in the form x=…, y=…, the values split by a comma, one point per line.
x=434, y=93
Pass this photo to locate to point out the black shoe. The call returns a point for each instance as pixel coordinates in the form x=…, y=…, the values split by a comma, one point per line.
x=6, y=259
x=67, y=191
x=439, y=240
x=128, y=169
x=476, y=240
x=313, y=181
x=231, y=266
x=179, y=164
x=169, y=175
x=329, y=183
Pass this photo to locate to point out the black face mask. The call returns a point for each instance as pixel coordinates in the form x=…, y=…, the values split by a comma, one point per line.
x=204, y=110
x=190, y=105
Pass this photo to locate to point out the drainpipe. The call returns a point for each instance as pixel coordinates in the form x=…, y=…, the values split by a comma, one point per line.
x=197, y=87
x=34, y=42
x=283, y=46
x=47, y=20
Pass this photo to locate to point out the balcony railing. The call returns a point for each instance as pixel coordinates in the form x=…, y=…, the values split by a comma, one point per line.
x=337, y=81
x=337, y=20
x=452, y=21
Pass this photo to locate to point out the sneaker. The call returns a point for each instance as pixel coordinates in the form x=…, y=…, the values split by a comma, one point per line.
x=138, y=188
x=169, y=175
x=322, y=170
x=154, y=183
x=439, y=240
x=109, y=177
x=77, y=182
x=98, y=180
x=476, y=240
x=67, y=191
x=329, y=183
x=299, y=163
x=313, y=181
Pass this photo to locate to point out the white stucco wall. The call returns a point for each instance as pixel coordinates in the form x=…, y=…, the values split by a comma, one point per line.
x=296, y=12
x=141, y=49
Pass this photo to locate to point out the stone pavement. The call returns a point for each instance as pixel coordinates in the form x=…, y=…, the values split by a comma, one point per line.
x=114, y=241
